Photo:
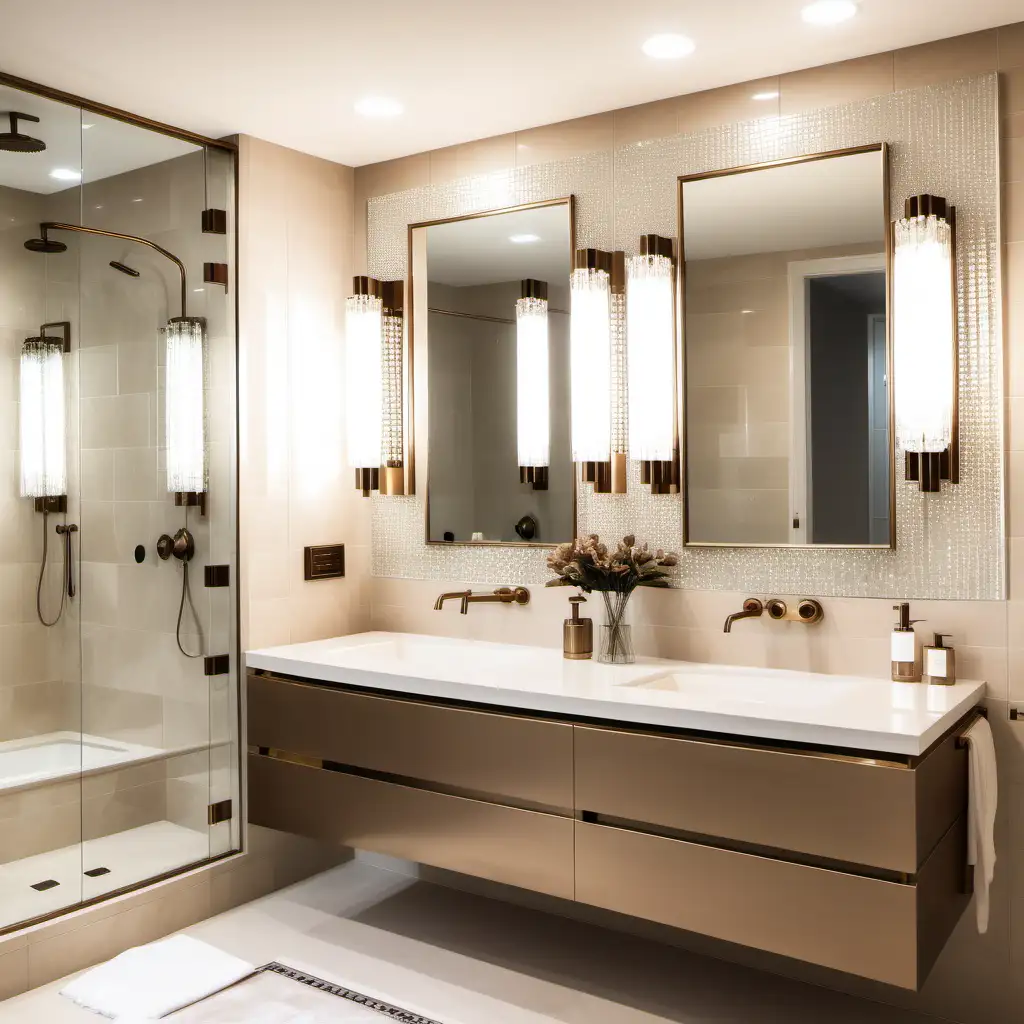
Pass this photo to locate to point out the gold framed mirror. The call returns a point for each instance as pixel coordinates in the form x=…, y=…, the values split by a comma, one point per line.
x=785, y=298
x=489, y=351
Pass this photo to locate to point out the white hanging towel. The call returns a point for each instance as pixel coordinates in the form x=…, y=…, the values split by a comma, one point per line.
x=149, y=982
x=983, y=792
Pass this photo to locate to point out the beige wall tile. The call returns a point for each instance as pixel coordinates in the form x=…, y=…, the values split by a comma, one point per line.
x=13, y=973
x=565, y=139
x=1011, y=46
x=728, y=105
x=647, y=121
x=946, y=59
x=483, y=156
x=1013, y=159
x=392, y=176
x=1013, y=126
x=1011, y=93
x=835, y=84
x=1013, y=213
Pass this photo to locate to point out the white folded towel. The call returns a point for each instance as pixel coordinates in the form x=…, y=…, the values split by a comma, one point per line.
x=981, y=813
x=149, y=982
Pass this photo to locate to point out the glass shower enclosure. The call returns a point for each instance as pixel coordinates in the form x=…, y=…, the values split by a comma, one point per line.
x=118, y=515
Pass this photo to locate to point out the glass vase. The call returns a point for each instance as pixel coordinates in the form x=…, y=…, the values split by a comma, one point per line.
x=616, y=635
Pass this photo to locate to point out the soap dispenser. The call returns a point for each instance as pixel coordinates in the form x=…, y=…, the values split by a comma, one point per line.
x=940, y=661
x=906, y=666
x=577, y=633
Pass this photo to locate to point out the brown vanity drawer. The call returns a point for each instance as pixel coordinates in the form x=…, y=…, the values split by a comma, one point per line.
x=876, y=929
x=846, y=809
x=505, y=844
x=519, y=759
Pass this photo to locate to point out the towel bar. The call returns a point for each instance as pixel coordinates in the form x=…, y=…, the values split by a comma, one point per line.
x=979, y=712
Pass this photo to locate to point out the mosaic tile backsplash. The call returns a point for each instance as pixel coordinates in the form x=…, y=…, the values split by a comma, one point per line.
x=942, y=139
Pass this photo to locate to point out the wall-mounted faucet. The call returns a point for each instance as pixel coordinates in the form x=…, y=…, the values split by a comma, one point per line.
x=503, y=595
x=752, y=608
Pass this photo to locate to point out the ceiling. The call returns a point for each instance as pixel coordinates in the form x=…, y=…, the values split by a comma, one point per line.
x=809, y=205
x=290, y=73
x=479, y=250
x=95, y=146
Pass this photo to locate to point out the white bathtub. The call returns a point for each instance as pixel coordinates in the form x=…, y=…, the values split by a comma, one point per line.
x=59, y=755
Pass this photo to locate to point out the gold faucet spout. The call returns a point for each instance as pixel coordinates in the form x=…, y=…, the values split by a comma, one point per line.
x=458, y=595
x=503, y=595
x=752, y=608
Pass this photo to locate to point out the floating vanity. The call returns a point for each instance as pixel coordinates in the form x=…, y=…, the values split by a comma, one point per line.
x=818, y=817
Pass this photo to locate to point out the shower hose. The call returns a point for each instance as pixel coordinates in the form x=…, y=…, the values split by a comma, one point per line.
x=67, y=587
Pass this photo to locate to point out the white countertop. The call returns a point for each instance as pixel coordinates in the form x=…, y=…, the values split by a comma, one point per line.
x=798, y=707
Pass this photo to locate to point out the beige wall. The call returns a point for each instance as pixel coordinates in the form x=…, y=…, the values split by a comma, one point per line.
x=978, y=980
x=295, y=220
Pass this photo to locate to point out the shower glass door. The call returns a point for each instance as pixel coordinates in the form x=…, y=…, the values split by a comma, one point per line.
x=118, y=723
x=40, y=700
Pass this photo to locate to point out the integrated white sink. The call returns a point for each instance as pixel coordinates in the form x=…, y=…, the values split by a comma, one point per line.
x=804, y=707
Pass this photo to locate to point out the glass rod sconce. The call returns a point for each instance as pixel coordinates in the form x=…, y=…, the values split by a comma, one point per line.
x=596, y=277
x=185, y=410
x=374, y=407
x=43, y=433
x=533, y=388
x=651, y=345
x=925, y=347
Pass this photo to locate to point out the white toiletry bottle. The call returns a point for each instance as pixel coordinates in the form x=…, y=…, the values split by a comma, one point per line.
x=940, y=661
x=906, y=666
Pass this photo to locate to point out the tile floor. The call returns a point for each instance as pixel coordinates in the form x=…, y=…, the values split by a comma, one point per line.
x=466, y=959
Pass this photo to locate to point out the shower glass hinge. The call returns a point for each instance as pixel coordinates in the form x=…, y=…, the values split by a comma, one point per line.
x=217, y=576
x=215, y=273
x=1016, y=714
x=215, y=222
x=218, y=812
x=217, y=665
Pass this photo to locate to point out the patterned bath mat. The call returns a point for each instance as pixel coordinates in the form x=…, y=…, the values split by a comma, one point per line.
x=277, y=994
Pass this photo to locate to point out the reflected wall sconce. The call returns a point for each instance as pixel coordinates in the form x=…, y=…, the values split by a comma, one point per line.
x=597, y=283
x=43, y=434
x=925, y=345
x=533, y=389
x=651, y=347
x=374, y=374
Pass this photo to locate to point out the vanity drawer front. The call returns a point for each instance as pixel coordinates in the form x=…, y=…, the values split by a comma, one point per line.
x=840, y=809
x=860, y=925
x=505, y=844
x=518, y=759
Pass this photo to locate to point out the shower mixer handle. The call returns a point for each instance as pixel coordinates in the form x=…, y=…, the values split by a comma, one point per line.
x=182, y=546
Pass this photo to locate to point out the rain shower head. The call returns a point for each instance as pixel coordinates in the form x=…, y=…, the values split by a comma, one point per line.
x=48, y=245
x=17, y=142
x=124, y=268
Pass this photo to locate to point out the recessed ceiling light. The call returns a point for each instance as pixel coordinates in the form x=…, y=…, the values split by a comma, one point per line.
x=523, y=239
x=65, y=174
x=765, y=96
x=829, y=12
x=378, y=106
x=84, y=126
x=137, y=200
x=669, y=46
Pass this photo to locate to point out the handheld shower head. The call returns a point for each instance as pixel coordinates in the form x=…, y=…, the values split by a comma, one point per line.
x=17, y=142
x=124, y=268
x=47, y=245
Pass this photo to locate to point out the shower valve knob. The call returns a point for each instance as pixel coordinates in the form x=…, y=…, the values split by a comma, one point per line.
x=182, y=545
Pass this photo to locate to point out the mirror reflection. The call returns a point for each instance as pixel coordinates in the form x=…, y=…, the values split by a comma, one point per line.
x=497, y=337
x=786, y=341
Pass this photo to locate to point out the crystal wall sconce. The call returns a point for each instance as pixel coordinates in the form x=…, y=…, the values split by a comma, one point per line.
x=375, y=405
x=533, y=389
x=185, y=413
x=653, y=376
x=597, y=282
x=925, y=344
x=43, y=433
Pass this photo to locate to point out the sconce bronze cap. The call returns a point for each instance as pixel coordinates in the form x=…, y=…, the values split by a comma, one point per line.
x=531, y=288
x=363, y=285
x=926, y=205
x=656, y=245
x=392, y=296
x=593, y=259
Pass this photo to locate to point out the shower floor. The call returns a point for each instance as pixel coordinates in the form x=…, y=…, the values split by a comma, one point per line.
x=129, y=857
